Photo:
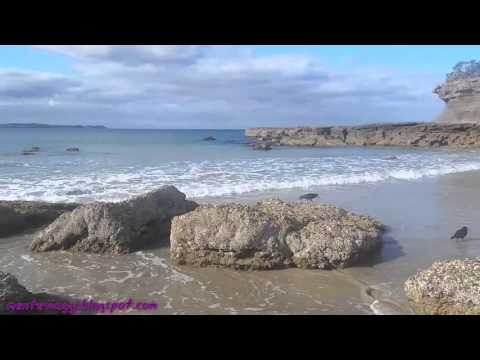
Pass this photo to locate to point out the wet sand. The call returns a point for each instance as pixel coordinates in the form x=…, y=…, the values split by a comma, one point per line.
x=421, y=215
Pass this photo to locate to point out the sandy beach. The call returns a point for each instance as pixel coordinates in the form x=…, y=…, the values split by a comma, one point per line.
x=421, y=216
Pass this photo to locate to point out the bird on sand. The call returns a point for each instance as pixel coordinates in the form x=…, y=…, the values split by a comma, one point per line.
x=308, y=197
x=460, y=234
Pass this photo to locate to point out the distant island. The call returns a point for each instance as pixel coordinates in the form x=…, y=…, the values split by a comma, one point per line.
x=41, y=126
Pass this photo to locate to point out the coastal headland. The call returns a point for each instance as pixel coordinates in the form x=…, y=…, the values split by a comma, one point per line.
x=405, y=134
x=457, y=127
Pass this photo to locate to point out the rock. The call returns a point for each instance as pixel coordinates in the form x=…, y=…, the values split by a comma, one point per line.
x=405, y=134
x=461, y=93
x=13, y=294
x=19, y=216
x=72, y=150
x=273, y=234
x=391, y=158
x=32, y=151
x=115, y=227
x=209, y=138
x=447, y=288
x=11, y=290
x=262, y=146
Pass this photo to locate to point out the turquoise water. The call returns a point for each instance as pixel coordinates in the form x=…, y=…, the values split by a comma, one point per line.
x=116, y=164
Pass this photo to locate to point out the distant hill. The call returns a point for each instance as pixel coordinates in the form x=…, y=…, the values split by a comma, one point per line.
x=37, y=126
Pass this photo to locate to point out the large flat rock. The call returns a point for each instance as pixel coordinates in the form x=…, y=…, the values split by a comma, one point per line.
x=273, y=234
x=115, y=227
x=403, y=134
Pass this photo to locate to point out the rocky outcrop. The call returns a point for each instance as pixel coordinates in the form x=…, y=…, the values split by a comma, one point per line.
x=19, y=216
x=13, y=294
x=406, y=134
x=461, y=93
x=462, y=97
x=447, y=288
x=115, y=227
x=273, y=234
x=11, y=290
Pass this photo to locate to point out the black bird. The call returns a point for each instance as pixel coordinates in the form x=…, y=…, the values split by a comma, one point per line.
x=460, y=234
x=308, y=197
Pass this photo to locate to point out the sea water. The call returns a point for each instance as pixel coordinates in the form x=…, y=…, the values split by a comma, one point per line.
x=114, y=165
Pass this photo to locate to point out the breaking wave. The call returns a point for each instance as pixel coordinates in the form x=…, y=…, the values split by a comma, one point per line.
x=93, y=180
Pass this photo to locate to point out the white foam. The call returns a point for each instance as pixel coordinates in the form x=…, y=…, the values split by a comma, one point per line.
x=27, y=258
x=172, y=274
x=92, y=181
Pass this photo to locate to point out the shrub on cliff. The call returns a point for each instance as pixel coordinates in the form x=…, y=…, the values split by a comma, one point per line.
x=465, y=69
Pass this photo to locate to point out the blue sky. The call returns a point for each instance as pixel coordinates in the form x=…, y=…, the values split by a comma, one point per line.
x=434, y=58
x=30, y=58
x=224, y=86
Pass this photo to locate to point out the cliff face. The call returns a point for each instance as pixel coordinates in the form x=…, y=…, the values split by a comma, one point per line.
x=461, y=93
x=458, y=125
x=409, y=134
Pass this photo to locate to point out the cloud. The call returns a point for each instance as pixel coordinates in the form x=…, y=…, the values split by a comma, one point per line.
x=212, y=86
x=132, y=54
x=16, y=84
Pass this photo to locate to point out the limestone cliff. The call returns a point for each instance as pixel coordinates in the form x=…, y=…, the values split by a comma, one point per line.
x=461, y=93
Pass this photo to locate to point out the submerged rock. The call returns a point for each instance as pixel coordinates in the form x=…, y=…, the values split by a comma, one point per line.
x=72, y=150
x=20, y=216
x=32, y=151
x=115, y=227
x=209, y=138
x=447, y=288
x=273, y=234
x=266, y=146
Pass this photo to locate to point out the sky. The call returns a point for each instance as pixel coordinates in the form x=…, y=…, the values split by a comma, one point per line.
x=223, y=86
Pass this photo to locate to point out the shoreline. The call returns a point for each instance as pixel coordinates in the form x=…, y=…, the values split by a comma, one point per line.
x=443, y=202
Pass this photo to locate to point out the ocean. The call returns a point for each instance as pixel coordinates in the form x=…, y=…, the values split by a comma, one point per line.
x=113, y=165
x=422, y=195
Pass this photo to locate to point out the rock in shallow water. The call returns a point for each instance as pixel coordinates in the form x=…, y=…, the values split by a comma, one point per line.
x=262, y=146
x=11, y=290
x=115, y=227
x=13, y=294
x=72, y=150
x=447, y=288
x=19, y=216
x=273, y=234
